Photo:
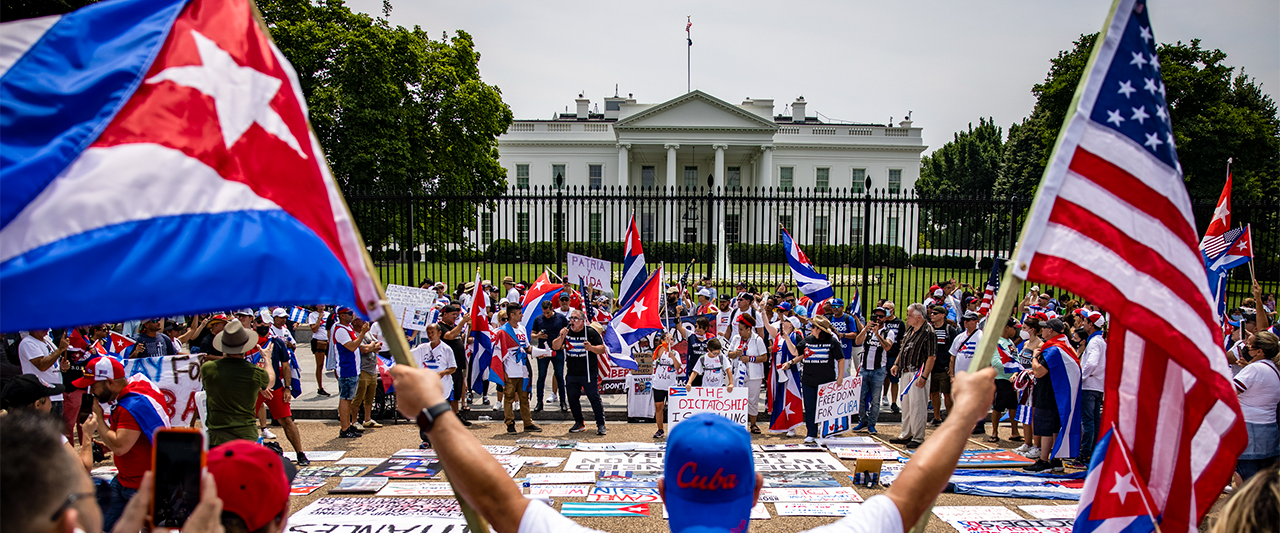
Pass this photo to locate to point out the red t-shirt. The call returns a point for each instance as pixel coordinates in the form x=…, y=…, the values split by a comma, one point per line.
x=137, y=461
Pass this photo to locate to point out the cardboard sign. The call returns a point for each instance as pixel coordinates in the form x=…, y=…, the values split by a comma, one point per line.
x=624, y=495
x=592, y=272
x=348, y=508
x=837, y=405
x=715, y=400
x=798, y=461
x=603, y=461
x=330, y=471
x=815, y=509
x=557, y=478
x=820, y=495
x=178, y=377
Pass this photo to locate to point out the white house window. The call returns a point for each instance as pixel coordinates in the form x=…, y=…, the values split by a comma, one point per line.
x=522, y=226
x=786, y=179
x=690, y=177
x=855, y=230
x=821, y=229
x=893, y=231
x=595, y=173
x=557, y=171
x=895, y=181
x=522, y=176
x=597, y=227
x=732, y=228
x=733, y=177
x=859, y=180
x=646, y=226
x=822, y=180
x=486, y=228
x=646, y=177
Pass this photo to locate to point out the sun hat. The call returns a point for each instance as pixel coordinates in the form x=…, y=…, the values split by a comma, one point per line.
x=235, y=339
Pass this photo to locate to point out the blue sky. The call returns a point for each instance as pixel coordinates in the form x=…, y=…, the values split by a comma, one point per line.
x=947, y=62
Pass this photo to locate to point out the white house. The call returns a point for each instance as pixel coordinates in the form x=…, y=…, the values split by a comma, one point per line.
x=684, y=141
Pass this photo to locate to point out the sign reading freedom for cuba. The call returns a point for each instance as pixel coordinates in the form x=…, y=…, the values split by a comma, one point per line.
x=837, y=404
x=595, y=273
x=716, y=400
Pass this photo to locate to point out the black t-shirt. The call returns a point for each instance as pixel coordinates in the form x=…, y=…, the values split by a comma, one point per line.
x=578, y=361
x=946, y=334
x=697, y=346
x=459, y=349
x=1042, y=396
x=205, y=342
x=820, y=360
x=551, y=326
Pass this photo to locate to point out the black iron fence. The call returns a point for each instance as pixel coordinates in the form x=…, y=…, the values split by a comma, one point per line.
x=887, y=245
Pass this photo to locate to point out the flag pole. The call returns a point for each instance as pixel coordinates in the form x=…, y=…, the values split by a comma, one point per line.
x=688, y=63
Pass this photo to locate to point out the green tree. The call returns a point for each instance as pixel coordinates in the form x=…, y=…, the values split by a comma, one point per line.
x=968, y=165
x=398, y=113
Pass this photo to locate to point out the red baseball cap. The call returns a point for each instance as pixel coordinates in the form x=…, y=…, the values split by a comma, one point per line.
x=101, y=368
x=252, y=481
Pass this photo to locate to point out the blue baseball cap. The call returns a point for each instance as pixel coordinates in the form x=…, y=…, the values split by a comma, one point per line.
x=836, y=302
x=709, y=476
x=785, y=306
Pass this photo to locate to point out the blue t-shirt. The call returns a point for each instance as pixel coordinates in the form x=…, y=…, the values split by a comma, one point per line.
x=842, y=325
x=348, y=360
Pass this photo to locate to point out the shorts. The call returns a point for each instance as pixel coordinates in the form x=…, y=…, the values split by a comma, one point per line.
x=316, y=347
x=347, y=387
x=1046, y=422
x=659, y=396
x=1006, y=398
x=940, y=382
x=366, y=389
x=276, y=405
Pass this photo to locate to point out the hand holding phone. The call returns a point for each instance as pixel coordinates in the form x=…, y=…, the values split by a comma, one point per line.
x=178, y=461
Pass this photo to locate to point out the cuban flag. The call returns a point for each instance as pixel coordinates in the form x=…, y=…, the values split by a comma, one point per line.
x=1212, y=243
x=786, y=403
x=634, y=271
x=299, y=315
x=542, y=290
x=1239, y=251
x=295, y=373
x=481, y=348
x=121, y=346
x=384, y=373
x=1115, y=496
x=1007, y=361
x=811, y=283
x=507, y=342
x=145, y=402
x=1064, y=377
x=634, y=321
x=167, y=139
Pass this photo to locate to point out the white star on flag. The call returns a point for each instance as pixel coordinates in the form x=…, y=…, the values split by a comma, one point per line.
x=1160, y=112
x=1149, y=85
x=1155, y=62
x=1241, y=245
x=1153, y=141
x=537, y=285
x=1138, y=60
x=1145, y=33
x=1126, y=88
x=1220, y=213
x=638, y=307
x=241, y=95
x=1114, y=116
x=1140, y=115
x=1123, y=486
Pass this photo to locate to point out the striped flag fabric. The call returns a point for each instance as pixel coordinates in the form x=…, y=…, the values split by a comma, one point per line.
x=145, y=402
x=1112, y=223
x=604, y=509
x=1064, y=376
x=634, y=272
x=134, y=131
x=993, y=284
x=480, y=351
x=811, y=283
x=1238, y=252
x=298, y=315
x=1221, y=220
x=786, y=403
x=541, y=291
x=634, y=321
x=1214, y=245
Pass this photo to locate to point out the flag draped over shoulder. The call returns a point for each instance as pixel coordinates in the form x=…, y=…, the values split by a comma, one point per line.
x=167, y=139
x=1064, y=377
x=786, y=404
x=145, y=403
x=1112, y=223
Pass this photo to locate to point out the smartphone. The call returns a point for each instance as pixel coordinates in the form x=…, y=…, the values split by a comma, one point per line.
x=177, y=460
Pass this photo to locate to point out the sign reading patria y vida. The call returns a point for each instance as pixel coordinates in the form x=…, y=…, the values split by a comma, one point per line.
x=715, y=400
x=594, y=273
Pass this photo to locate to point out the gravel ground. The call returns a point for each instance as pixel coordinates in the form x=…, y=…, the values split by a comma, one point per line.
x=384, y=441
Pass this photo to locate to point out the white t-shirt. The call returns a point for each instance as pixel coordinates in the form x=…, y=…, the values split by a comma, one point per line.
x=316, y=316
x=439, y=359
x=664, y=371
x=877, y=514
x=722, y=321
x=963, y=347
x=754, y=346
x=375, y=329
x=1259, y=390
x=33, y=348
x=714, y=370
x=511, y=359
x=283, y=334
x=513, y=295
x=564, y=312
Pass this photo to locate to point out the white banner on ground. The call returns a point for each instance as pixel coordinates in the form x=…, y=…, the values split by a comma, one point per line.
x=178, y=377
x=624, y=495
x=602, y=461
x=798, y=462
x=324, y=455
x=759, y=512
x=821, y=495
x=837, y=404
x=334, y=509
x=425, y=488
x=559, y=478
x=717, y=400
x=411, y=305
x=560, y=491
x=815, y=509
x=1051, y=511
x=331, y=524
x=594, y=273
x=998, y=519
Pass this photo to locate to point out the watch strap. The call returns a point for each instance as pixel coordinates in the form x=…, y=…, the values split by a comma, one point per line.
x=427, y=418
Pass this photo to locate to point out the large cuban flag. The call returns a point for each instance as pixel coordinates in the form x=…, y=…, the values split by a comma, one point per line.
x=542, y=290
x=1064, y=377
x=811, y=283
x=633, y=322
x=634, y=271
x=481, y=348
x=145, y=402
x=148, y=140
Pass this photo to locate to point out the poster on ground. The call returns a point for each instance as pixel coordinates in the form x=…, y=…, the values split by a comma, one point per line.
x=589, y=271
x=408, y=469
x=758, y=512
x=422, y=488
x=837, y=405
x=815, y=509
x=818, y=495
x=998, y=519
x=561, y=478
x=320, y=455
x=1050, y=511
x=684, y=403
x=624, y=495
x=178, y=377
x=603, y=461
x=355, y=485
x=349, y=508
x=560, y=491
x=628, y=479
x=809, y=479
x=798, y=461
x=987, y=459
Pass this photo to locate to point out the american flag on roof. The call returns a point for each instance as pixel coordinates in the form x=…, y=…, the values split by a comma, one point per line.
x=1112, y=223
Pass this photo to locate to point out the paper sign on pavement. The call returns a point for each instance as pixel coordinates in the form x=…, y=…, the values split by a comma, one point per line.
x=821, y=495
x=359, y=484
x=624, y=495
x=367, y=461
x=815, y=509
x=349, y=508
x=603, y=461
x=604, y=509
x=424, y=488
x=1050, y=511
x=320, y=455
x=560, y=491
x=559, y=478
x=758, y=512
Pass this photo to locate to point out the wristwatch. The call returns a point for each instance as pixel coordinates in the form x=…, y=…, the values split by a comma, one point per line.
x=427, y=418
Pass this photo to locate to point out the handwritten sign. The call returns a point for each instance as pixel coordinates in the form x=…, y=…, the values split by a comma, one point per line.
x=837, y=405
x=716, y=400
x=821, y=495
x=624, y=495
x=815, y=509
x=604, y=461
x=178, y=377
x=410, y=305
x=595, y=273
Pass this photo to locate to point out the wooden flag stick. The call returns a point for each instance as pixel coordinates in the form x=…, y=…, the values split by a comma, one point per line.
x=1001, y=308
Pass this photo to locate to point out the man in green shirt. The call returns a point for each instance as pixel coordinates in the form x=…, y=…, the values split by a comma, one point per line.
x=232, y=385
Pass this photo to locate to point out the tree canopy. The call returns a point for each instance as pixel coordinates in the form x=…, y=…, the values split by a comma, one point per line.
x=1216, y=112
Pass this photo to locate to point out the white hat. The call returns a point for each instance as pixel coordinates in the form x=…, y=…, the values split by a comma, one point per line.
x=280, y=313
x=938, y=292
x=704, y=292
x=246, y=312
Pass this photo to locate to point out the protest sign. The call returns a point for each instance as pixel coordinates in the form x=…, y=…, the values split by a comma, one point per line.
x=598, y=461
x=799, y=480
x=1051, y=511
x=410, y=305
x=320, y=455
x=594, y=273
x=621, y=446
x=178, y=377
x=543, y=462
x=347, y=508
x=559, y=478
x=998, y=519
x=367, y=461
x=547, y=444
x=798, y=461
x=987, y=459
x=422, y=488
x=837, y=405
x=615, y=380
x=604, y=509
x=717, y=400
x=815, y=509
x=1018, y=484
x=624, y=495
x=628, y=479
x=501, y=450
x=758, y=512
x=408, y=469
x=864, y=452
x=330, y=471
x=793, y=447
x=413, y=453
x=359, y=484
x=822, y=495
x=560, y=491
x=379, y=524
x=304, y=485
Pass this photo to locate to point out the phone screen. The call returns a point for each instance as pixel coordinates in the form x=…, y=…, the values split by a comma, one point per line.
x=178, y=464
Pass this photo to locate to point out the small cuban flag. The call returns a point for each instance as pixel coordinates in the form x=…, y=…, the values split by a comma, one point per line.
x=298, y=315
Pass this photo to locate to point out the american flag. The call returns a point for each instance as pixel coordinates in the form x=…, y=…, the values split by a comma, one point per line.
x=1112, y=222
x=1213, y=246
x=993, y=283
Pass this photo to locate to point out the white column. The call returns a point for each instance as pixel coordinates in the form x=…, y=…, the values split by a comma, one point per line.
x=623, y=163
x=672, y=181
x=720, y=148
x=766, y=166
